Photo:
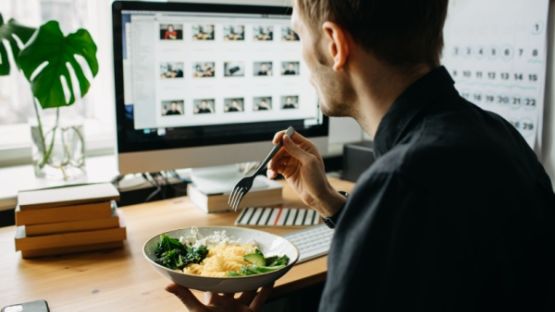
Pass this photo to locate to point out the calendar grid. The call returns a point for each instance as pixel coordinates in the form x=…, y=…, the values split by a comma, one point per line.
x=496, y=51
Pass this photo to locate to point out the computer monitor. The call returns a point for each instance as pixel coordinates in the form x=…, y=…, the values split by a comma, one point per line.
x=200, y=85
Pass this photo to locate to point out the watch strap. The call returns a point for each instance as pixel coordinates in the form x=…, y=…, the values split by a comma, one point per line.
x=332, y=220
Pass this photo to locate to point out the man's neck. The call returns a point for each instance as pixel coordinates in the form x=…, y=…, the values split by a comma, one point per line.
x=377, y=86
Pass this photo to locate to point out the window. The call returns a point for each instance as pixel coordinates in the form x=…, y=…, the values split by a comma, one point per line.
x=97, y=108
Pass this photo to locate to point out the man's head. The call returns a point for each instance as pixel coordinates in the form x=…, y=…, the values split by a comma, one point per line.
x=170, y=28
x=174, y=106
x=340, y=35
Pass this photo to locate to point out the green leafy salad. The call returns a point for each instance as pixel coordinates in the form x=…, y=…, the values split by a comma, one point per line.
x=259, y=264
x=173, y=254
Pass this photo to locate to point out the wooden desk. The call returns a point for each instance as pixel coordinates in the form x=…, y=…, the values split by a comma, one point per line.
x=121, y=280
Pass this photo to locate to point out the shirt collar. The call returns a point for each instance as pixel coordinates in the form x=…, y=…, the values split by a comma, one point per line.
x=408, y=105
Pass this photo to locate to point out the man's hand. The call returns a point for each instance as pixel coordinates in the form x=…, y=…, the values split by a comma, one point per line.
x=247, y=302
x=303, y=168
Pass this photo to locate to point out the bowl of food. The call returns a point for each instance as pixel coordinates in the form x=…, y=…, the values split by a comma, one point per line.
x=220, y=259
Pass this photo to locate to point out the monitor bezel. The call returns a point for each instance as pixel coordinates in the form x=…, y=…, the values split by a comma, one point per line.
x=123, y=145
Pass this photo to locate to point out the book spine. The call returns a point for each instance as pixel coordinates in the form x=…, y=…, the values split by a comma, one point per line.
x=34, y=253
x=76, y=203
x=62, y=214
x=69, y=239
x=76, y=226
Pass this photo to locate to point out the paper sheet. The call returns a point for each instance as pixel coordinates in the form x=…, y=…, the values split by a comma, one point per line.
x=496, y=50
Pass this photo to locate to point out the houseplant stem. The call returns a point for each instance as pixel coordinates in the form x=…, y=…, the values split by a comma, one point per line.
x=47, y=152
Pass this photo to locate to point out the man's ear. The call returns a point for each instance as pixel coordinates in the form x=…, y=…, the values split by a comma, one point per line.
x=337, y=44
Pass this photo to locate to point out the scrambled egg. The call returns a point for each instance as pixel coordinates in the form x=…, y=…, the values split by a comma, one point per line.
x=221, y=258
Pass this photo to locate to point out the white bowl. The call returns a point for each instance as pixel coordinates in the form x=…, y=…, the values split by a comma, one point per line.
x=269, y=244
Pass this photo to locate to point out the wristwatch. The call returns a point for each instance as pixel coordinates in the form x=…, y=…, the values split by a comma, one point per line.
x=331, y=221
x=345, y=194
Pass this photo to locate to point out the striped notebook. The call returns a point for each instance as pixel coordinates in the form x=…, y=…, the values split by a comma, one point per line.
x=277, y=216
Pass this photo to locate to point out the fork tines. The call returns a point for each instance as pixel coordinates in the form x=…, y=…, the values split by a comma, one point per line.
x=236, y=196
x=245, y=184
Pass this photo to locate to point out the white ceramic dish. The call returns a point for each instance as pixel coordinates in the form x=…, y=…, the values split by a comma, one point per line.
x=269, y=244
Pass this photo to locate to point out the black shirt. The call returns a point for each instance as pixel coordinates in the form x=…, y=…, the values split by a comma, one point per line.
x=456, y=214
x=172, y=112
x=204, y=111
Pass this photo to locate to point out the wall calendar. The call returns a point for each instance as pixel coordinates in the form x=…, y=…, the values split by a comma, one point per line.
x=496, y=51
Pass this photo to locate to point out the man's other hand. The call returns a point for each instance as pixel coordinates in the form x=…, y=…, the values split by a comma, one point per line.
x=251, y=301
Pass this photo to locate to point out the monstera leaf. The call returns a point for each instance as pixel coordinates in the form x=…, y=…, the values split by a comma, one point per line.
x=45, y=61
x=15, y=35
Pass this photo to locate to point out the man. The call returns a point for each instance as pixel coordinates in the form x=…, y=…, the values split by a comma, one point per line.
x=234, y=106
x=170, y=33
x=290, y=103
x=456, y=213
x=204, y=107
x=265, y=69
x=174, y=109
x=290, y=69
x=263, y=105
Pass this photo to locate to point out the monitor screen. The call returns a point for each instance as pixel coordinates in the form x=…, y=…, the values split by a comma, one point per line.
x=198, y=74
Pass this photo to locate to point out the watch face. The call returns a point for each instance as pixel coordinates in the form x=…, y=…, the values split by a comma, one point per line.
x=344, y=193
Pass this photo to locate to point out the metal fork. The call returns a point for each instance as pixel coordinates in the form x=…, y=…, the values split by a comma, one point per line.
x=245, y=184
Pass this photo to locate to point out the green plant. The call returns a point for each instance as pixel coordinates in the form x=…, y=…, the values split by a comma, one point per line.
x=45, y=57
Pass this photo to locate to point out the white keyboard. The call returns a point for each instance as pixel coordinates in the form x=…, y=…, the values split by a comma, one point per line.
x=312, y=242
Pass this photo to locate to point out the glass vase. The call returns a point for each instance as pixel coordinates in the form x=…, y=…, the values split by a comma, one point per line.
x=58, y=147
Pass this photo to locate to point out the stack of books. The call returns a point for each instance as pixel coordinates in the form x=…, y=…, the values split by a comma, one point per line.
x=68, y=220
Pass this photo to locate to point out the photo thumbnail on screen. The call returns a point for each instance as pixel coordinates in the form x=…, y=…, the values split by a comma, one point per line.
x=288, y=34
x=173, y=108
x=204, y=32
x=171, y=31
x=171, y=70
x=263, y=33
x=234, y=69
x=262, y=103
x=234, y=33
x=204, y=106
x=290, y=102
x=234, y=105
x=290, y=68
x=263, y=69
x=204, y=69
